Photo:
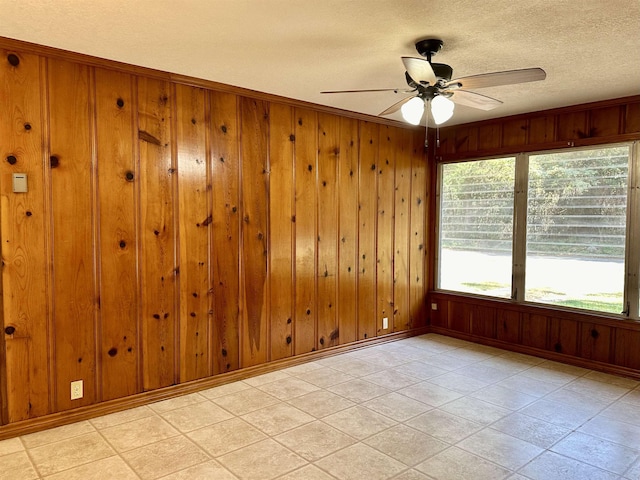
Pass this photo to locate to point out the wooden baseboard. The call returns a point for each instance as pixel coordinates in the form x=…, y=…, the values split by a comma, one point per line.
x=112, y=406
x=546, y=354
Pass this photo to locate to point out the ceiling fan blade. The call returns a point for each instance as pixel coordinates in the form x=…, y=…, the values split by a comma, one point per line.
x=495, y=79
x=396, y=90
x=419, y=70
x=395, y=107
x=475, y=100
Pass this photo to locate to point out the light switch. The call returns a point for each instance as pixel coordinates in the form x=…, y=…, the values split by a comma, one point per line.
x=19, y=182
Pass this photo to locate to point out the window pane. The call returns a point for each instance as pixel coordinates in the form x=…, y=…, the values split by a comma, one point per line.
x=576, y=221
x=476, y=226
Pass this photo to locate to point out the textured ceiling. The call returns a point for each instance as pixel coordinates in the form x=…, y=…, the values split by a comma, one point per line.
x=590, y=49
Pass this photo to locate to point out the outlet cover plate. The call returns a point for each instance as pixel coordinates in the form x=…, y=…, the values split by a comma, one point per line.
x=76, y=390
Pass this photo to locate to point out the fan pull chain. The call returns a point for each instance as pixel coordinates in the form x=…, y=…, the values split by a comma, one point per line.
x=426, y=123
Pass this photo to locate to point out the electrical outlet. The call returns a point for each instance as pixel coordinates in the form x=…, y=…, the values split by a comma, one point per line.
x=385, y=323
x=434, y=306
x=76, y=390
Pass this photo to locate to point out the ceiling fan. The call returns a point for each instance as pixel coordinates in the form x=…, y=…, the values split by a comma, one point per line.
x=431, y=83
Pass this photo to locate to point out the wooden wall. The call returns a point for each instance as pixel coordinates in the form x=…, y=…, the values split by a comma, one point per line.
x=587, y=339
x=174, y=231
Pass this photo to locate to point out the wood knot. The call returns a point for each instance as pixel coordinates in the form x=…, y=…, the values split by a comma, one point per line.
x=13, y=60
x=10, y=330
x=123, y=244
x=292, y=138
x=113, y=352
x=288, y=321
x=595, y=333
x=373, y=166
x=322, y=341
x=27, y=126
x=28, y=213
x=54, y=161
x=129, y=176
x=310, y=168
x=223, y=128
x=12, y=159
x=308, y=311
x=288, y=339
x=224, y=352
x=120, y=103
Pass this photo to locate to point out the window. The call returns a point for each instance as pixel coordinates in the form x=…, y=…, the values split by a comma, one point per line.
x=557, y=228
x=476, y=226
x=576, y=228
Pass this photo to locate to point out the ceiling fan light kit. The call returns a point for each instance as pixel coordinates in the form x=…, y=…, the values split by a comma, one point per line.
x=432, y=83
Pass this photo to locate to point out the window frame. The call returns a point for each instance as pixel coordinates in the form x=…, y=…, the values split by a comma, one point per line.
x=631, y=289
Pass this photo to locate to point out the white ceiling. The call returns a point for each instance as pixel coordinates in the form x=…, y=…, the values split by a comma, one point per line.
x=590, y=49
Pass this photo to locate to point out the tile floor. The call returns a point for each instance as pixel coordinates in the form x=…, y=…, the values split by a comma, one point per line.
x=428, y=407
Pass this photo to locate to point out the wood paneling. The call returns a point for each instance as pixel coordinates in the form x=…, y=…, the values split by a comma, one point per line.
x=195, y=218
x=508, y=326
x=534, y=330
x=327, y=248
x=254, y=151
x=385, y=229
x=157, y=235
x=172, y=232
x=609, y=121
x=563, y=336
x=281, y=142
x=72, y=217
x=595, y=342
x=306, y=139
x=367, y=214
x=402, y=218
x=348, y=232
x=225, y=241
x=418, y=312
x=24, y=238
x=118, y=239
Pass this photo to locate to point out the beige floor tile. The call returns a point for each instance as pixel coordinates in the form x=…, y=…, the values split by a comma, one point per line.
x=483, y=372
x=412, y=475
x=224, y=437
x=601, y=391
x=222, y=390
x=261, y=461
x=138, y=433
x=315, y=440
x=124, y=416
x=444, y=426
x=628, y=383
x=325, y=377
x=164, y=457
x=632, y=397
x=550, y=465
x=72, y=452
x=112, y=468
x=420, y=370
x=196, y=416
x=308, y=472
x=245, y=401
x=597, y=452
x=578, y=399
x=397, y=407
x=558, y=413
x=11, y=445
x=356, y=367
x=634, y=472
x=359, y=422
x=288, y=388
x=321, y=403
x=56, y=434
x=430, y=393
x=459, y=383
x=532, y=430
x=613, y=430
x=210, y=470
x=360, y=462
x=391, y=379
x=455, y=463
x=388, y=359
x=358, y=390
x=277, y=418
x=475, y=410
x=303, y=368
x=623, y=412
x=539, y=372
x=530, y=386
x=178, y=402
x=500, y=448
x=406, y=444
x=266, y=378
x=504, y=397
x=17, y=466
